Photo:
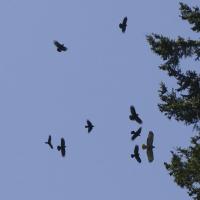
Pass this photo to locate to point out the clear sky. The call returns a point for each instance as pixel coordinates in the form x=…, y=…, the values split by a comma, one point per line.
x=103, y=72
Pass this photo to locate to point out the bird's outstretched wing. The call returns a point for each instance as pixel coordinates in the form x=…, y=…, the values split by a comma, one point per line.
x=57, y=44
x=138, y=159
x=132, y=109
x=139, y=130
x=138, y=120
x=125, y=20
x=89, y=129
x=89, y=123
x=136, y=153
x=150, y=138
x=63, y=151
x=62, y=142
x=150, y=154
x=134, y=136
x=64, y=48
x=49, y=139
x=63, y=147
x=136, y=150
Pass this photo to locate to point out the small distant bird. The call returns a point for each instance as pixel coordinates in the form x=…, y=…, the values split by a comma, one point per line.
x=136, y=154
x=134, y=115
x=62, y=147
x=60, y=47
x=135, y=134
x=123, y=25
x=149, y=146
x=49, y=142
x=89, y=126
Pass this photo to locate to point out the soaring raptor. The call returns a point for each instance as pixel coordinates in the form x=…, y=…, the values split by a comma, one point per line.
x=149, y=146
x=62, y=147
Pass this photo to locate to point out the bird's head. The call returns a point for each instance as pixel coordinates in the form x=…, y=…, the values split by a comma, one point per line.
x=144, y=146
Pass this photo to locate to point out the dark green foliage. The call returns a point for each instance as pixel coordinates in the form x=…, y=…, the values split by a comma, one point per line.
x=185, y=167
x=183, y=101
x=191, y=15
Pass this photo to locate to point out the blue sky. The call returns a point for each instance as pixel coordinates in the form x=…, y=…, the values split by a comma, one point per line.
x=103, y=72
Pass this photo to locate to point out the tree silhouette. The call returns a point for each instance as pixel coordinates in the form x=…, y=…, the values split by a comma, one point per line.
x=183, y=102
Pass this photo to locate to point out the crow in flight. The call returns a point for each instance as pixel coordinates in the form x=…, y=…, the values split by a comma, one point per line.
x=134, y=115
x=60, y=47
x=135, y=134
x=149, y=146
x=136, y=154
x=49, y=142
x=123, y=25
x=89, y=126
x=62, y=147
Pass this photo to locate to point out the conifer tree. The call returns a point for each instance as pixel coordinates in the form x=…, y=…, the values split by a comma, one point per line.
x=183, y=101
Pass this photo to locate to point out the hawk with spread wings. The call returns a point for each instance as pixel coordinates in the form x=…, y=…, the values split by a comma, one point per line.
x=62, y=147
x=149, y=146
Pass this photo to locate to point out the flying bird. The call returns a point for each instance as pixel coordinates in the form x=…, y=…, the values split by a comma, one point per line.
x=135, y=134
x=62, y=147
x=49, y=142
x=136, y=154
x=149, y=146
x=89, y=126
x=60, y=47
x=123, y=25
x=134, y=115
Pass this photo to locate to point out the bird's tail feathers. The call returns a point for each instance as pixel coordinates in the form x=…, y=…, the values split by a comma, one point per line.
x=132, y=155
x=86, y=126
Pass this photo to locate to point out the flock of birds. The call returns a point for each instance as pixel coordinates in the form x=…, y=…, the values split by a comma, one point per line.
x=149, y=144
x=134, y=117
x=62, y=146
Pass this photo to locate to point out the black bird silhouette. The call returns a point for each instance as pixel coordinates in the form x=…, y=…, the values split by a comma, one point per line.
x=89, y=126
x=123, y=25
x=49, y=142
x=60, y=47
x=62, y=147
x=135, y=134
x=149, y=146
x=134, y=115
x=136, y=154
